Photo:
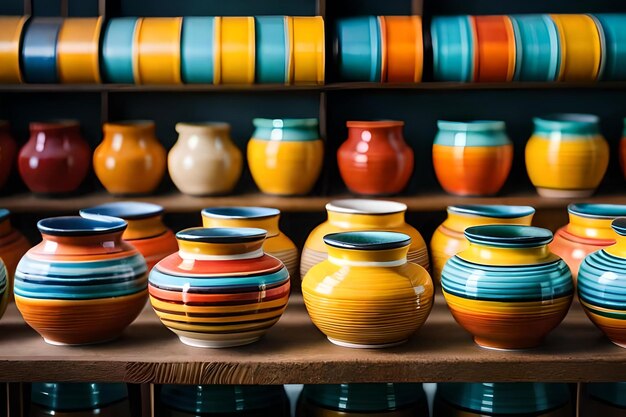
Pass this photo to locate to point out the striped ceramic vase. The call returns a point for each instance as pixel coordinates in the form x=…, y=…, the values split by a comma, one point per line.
x=220, y=289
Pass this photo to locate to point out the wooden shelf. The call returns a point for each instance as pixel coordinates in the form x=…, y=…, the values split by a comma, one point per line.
x=294, y=351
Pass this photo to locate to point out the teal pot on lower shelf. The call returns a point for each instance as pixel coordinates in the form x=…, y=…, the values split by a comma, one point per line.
x=79, y=400
x=605, y=400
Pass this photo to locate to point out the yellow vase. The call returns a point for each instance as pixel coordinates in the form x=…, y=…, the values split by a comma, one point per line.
x=448, y=239
x=360, y=214
x=366, y=294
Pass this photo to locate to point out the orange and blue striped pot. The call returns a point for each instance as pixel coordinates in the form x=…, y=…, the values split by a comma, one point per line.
x=220, y=289
x=82, y=284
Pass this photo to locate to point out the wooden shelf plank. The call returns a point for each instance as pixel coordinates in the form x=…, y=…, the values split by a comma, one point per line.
x=295, y=352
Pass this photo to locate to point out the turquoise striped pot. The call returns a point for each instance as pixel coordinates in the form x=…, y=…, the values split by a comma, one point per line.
x=453, y=48
x=76, y=396
x=117, y=50
x=196, y=53
x=537, y=44
x=272, y=49
x=359, y=48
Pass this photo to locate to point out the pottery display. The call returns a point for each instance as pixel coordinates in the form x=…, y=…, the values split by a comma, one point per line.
x=8, y=151
x=602, y=286
x=78, y=50
x=56, y=158
x=11, y=28
x=78, y=399
x=204, y=160
x=285, y=156
x=567, y=156
x=507, y=289
x=612, y=28
x=276, y=244
x=472, y=158
x=604, y=399
x=581, y=49
x=355, y=215
x=588, y=230
x=236, y=50
x=117, y=49
x=453, y=43
x=224, y=400
x=375, y=159
x=404, y=47
x=517, y=399
x=80, y=274
x=130, y=159
x=197, y=49
x=495, y=49
x=274, y=46
x=220, y=289
x=39, y=50
x=156, y=50
x=13, y=245
x=309, y=53
x=448, y=239
x=366, y=294
x=537, y=47
x=361, y=400
x=145, y=231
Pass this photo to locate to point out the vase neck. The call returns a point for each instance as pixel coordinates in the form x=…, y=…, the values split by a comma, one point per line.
x=201, y=251
x=371, y=258
x=590, y=228
x=499, y=256
x=144, y=228
x=373, y=134
x=365, y=221
x=77, y=245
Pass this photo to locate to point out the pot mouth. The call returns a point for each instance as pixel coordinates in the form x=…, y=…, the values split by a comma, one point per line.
x=568, y=122
x=365, y=206
x=597, y=211
x=240, y=212
x=54, y=124
x=495, y=211
x=371, y=124
x=281, y=123
x=471, y=125
x=508, y=236
x=221, y=234
x=619, y=226
x=80, y=226
x=367, y=240
x=127, y=210
x=202, y=126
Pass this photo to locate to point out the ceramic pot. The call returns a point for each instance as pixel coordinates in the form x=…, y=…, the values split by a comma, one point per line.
x=453, y=43
x=117, y=49
x=82, y=284
x=55, y=160
x=363, y=400
x=494, y=49
x=448, y=239
x=197, y=49
x=309, y=53
x=11, y=29
x=156, y=50
x=130, y=160
x=235, y=50
x=472, y=158
x=588, y=230
x=404, y=45
x=274, y=49
x=8, y=152
x=78, y=50
x=354, y=215
x=285, y=155
x=224, y=400
x=145, y=231
x=566, y=157
x=276, y=244
x=604, y=399
x=79, y=400
x=366, y=294
x=375, y=160
x=204, y=160
x=622, y=151
x=220, y=289
x=488, y=399
x=39, y=50
x=581, y=47
x=602, y=286
x=507, y=289
x=358, y=48
x=537, y=47
x=612, y=28
x=13, y=245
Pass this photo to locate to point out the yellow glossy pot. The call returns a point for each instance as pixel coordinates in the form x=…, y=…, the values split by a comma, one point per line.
x=78, y=50
x=360, y=214
x=236, y=50
x=11, y=28
x=366, y=294
x=448, y=239
x=308, y=50
x=156, y=51
x=581, y=49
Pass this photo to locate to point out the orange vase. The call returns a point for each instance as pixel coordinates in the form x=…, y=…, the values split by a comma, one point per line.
x=13, y=245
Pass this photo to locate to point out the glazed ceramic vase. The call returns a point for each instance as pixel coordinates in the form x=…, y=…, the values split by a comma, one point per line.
x=224, y=400
x=448, y=239
x=604, y=399
x=204, y=160
x=276, y=244
x=375, y=159
x=130, y=160
x=285, y=155
x=13, y=245
x=602, y=286
x=82, y=284
x=517, y=399
x=472, y=158
x=145, y=231
x=507, y=289
x=588, y=230
x=363, y=400
x=79, y=400
x=220, y=289
x=354, y=215
x=56, y=158
x=366, y=294
x=8, y=152
x=566, y=157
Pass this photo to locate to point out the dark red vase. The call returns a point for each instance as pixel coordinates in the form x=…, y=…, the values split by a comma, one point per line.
x=375, y=160
x=56, y=158
x=8, y=150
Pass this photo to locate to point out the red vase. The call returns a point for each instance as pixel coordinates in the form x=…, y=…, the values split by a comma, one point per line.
x=56, y=158
x=8, y=150
x=375, y=160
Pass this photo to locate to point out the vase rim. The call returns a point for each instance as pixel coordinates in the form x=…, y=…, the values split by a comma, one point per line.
x=371, y=124
x=366, y=206
x=597, y=211
x=367, y=240
x=568, y=122
x=129, y=124
x=240, y=212
x=54, y=124
x=221, y=234
x=287, y=122
x=509, y=236
x=80, y=226
x=203, y=126
x=471, y=125
x=127, y=210
x=498, y=211
x=619, y=226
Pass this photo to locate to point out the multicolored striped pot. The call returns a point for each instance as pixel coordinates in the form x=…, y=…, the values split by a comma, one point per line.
x=220, y=289
x=602, y=286
x=366, y=294
x=83, y=284
x=507, y=289
x=448, y=239
x=79, y=400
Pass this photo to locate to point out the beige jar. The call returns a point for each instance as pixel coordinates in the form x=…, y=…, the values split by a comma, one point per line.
x=204, y=160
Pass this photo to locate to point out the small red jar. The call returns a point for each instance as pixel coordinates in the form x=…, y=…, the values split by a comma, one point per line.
x=8, y=150
x=56, y=158
x=375, y=160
